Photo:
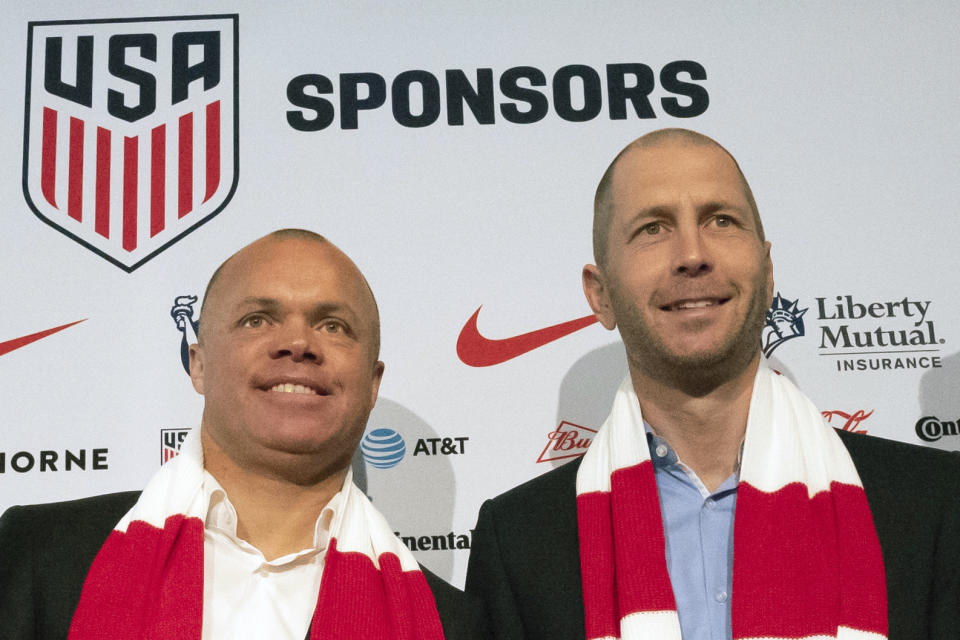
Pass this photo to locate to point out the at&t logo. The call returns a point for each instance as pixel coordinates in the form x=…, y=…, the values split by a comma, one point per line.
x=383, y=448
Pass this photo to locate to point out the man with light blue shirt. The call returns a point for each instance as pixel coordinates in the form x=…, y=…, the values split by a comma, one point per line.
x=698, y=524
x=713, y=503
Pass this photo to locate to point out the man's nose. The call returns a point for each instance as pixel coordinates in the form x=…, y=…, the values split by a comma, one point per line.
x=692, y=254
x=296, y=341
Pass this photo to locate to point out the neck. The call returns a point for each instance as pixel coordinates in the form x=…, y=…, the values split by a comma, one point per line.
x=705, y=429
x=274, y=515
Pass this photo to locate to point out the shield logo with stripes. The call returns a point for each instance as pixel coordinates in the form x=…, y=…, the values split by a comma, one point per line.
x=131, y=125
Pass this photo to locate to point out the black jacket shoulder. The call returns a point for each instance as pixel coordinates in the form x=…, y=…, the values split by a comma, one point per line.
x=543, y=493
x=461, y=614
x=894, y=463
x=45, y=553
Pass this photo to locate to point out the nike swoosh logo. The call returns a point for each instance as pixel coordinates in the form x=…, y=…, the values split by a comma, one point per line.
x=16, y=343
x=477, y=351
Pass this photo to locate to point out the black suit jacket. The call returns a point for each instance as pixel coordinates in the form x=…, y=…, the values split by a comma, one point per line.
x=47, y=549
x=525, y=559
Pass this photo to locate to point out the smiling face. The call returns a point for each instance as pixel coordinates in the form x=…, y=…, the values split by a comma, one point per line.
x=287, y=359
x=686, y=276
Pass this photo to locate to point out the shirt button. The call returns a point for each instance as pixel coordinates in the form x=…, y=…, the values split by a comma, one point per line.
x=711, y=503
x=720, y=596
x=661, y=450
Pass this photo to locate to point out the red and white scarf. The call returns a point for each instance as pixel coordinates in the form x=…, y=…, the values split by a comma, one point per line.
x=806, y=559
x=147, y=580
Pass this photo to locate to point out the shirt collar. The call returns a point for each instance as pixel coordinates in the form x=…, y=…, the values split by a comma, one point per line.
x=664, y=458
x=222, y=517
x=663, y=455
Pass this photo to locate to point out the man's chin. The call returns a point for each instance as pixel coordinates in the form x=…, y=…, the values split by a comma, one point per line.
x=722, y=361
x=300, y=462
x=297, y=446
x=703, y=358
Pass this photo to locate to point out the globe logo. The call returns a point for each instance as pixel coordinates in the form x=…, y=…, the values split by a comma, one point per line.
x=383, y=448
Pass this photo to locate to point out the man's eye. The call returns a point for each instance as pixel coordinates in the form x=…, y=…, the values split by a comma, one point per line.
x=333, y=326
x=723, y=221
x=651, y=228
x=254, y=322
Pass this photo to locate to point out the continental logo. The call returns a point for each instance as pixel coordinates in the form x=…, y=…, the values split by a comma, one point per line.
x=931, y=428
x=436, y=542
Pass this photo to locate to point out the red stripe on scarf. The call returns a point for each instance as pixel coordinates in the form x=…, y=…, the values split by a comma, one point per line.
x=146, y=583
x=640, y=581
x=359, y=602
x=785, y=578
x=864, y=587
x=789, y=565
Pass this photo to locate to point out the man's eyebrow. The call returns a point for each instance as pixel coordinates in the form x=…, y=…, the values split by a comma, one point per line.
x=658, y=211
x=315, y=313
x=667, y=211
x=719, y=205
x=322, y=309
x=254, y=301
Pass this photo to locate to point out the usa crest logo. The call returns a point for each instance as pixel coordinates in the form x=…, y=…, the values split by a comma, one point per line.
x=131, y=129
x=170, y=442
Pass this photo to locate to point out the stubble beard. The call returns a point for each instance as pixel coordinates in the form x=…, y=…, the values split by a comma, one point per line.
x=697, y=373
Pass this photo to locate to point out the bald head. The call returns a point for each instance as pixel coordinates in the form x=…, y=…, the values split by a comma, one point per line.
x=604, y=204
x=225, y=272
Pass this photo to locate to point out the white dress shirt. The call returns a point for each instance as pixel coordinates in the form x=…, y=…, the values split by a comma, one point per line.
x=244, y=594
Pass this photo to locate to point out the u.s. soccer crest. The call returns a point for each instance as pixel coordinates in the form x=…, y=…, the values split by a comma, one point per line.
x=130, y=134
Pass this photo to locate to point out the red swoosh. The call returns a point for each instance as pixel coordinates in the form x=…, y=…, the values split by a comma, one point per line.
x=476, y=351
x=16, y=343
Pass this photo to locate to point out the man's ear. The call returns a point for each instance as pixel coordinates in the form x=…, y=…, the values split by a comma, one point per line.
x=377, y=377
x=597, y=291
x=196, y=367
x=768, y=265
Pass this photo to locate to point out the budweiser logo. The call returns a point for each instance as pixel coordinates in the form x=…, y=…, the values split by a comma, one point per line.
x=568, y=440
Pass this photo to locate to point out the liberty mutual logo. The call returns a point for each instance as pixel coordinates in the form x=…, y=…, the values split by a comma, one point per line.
x=182, y=314
x=784, y=322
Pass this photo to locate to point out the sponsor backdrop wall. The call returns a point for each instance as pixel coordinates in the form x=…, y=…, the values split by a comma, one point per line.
x=453, y=151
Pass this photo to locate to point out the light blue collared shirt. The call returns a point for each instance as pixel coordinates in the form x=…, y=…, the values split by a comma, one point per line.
x=698, y=527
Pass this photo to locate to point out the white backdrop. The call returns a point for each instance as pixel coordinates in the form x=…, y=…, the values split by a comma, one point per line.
x=843, y=117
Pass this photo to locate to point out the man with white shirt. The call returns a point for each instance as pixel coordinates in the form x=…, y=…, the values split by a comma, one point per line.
x=713, y=503
x=256, y=529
